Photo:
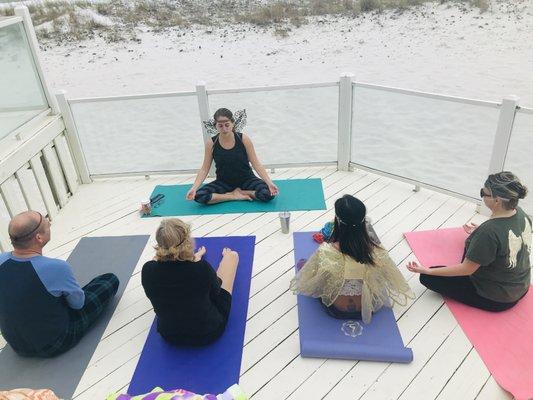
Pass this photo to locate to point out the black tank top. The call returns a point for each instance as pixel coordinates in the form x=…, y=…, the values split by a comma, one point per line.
x=232, y=166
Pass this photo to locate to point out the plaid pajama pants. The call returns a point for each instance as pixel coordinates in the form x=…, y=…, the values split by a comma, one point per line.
x=98, y=294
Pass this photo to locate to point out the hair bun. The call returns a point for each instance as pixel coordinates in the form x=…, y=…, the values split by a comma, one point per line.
x=522, y=191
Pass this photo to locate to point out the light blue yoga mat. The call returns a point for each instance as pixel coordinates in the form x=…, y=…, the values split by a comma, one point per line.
x=323, y=336
x=294, y=195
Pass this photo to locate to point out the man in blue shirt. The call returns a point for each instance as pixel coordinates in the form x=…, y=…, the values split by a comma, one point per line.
x=43, y=310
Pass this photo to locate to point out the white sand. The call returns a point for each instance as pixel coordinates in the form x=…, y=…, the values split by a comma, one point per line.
x=433, y=48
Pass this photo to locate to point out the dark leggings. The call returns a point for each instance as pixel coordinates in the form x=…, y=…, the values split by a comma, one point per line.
x=205, y=193
x=462, y=289
x=222, y=301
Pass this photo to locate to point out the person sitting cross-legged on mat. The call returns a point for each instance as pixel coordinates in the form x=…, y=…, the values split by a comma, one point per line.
x=192, y=301
x=495, y=272
x=43, y=310
x=233, y=152
x=351, y=274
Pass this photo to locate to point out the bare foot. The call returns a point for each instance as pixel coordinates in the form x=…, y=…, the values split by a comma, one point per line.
x=249, y=193
x=200, y=253
x=239, y=195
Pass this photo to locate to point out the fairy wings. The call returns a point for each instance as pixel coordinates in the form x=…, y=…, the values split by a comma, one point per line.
x=240, y=123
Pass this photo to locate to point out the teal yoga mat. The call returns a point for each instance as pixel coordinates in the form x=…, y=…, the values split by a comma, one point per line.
x=294, y=195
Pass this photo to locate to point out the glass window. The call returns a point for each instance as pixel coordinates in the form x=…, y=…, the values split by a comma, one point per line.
x=288, y=126
x=21, y=93
x=439, y=142
x=140, y=134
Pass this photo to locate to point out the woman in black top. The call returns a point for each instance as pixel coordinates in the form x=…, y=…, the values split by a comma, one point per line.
x=496, y=272
x=233, y=152
x=191, y=300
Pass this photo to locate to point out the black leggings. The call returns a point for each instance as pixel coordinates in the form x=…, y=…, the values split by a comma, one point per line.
x=222, y=302
x=205, y=193
x=462, y=289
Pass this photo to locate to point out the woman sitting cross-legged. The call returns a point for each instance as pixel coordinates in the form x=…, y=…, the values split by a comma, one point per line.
x=233, y=152
x=192, y=301
x=351, y=274
x=495, y=272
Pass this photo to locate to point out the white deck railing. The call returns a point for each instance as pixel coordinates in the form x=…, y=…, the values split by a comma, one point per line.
x=39, y=175
x=443, y=142
x=36, y=166
x=446, y=143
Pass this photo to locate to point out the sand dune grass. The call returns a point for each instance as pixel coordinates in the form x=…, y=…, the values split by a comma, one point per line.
x=117, y=20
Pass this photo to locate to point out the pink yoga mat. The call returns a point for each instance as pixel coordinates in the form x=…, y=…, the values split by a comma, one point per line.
x=503, y=340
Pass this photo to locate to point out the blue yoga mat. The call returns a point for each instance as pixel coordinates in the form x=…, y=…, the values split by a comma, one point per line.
x=294, y=195
x=209, y=369
x=323, y=336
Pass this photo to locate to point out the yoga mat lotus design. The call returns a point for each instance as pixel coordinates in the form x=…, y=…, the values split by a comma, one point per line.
x=352, y=328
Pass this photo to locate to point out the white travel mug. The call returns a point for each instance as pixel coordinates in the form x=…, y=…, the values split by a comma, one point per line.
x=146, y=207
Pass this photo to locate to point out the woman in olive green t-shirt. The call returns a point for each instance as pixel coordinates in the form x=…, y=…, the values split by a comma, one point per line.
x=496, y=272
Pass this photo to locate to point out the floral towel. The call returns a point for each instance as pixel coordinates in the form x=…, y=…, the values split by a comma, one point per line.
x=28, y=394
x=233, y=393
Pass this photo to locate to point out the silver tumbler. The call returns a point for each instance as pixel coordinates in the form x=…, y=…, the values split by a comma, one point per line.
x=284, y=219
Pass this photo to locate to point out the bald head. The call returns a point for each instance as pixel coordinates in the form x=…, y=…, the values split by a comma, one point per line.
x=28, y=229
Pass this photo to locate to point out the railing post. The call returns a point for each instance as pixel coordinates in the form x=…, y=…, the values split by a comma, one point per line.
x=345, y=122
x=5, y=244
x=22, y=11
x=203, y=106
x=73, y=138
x=501, y=139
x=503, y=134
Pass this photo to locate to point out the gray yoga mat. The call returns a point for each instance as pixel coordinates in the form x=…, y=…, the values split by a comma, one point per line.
x=91, y=257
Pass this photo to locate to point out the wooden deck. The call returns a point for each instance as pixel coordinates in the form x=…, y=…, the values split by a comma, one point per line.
x=445, y=365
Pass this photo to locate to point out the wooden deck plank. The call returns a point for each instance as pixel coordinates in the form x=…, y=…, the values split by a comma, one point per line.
x=430, y=205
x=122, y=318
x=463, y=214
x=467, y=381
x=434, y=375
x=271, y=366
x=336, y=369
x=492, y=391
